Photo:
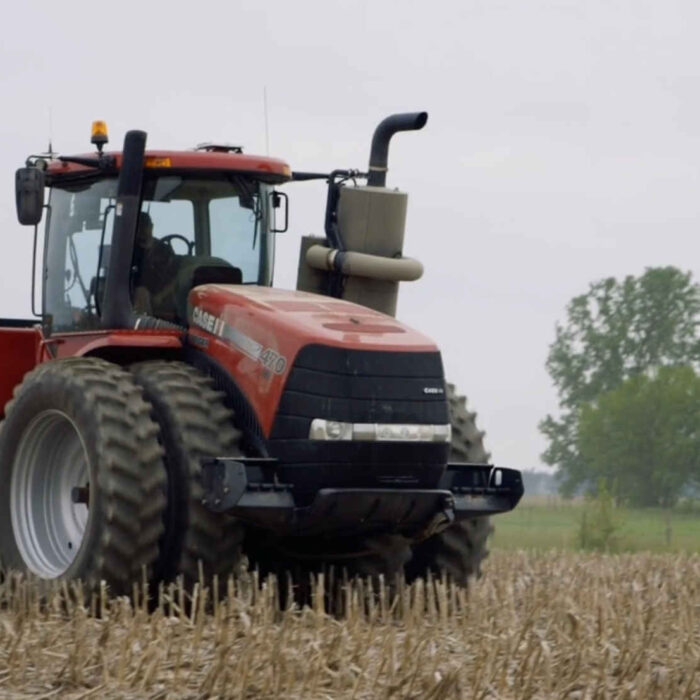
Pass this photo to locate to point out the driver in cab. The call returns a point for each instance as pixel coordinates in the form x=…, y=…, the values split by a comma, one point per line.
x=155, y=268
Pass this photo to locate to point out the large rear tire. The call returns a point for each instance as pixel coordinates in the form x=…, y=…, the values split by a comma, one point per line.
x=83, y=475
x=194, y=423
x=459, y=550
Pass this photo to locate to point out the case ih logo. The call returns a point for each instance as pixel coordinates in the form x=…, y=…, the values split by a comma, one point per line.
x=267, y=357
x=433, y=390
x=206, y=321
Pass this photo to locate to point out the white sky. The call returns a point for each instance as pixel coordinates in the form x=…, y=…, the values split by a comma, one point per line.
x=563, y=144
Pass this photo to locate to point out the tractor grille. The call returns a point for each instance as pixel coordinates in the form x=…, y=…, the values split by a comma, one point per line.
x=360, y=386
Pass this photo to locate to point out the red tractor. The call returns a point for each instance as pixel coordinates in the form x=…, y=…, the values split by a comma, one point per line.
x=169, y=410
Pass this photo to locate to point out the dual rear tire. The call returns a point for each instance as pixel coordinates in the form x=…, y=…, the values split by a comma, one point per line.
x=102, y=467
x=193, y=423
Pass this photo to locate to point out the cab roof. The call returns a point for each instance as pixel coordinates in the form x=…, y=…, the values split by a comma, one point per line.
x=261, y=167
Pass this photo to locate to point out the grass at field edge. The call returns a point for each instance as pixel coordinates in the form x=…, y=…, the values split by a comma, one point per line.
x=554, y=523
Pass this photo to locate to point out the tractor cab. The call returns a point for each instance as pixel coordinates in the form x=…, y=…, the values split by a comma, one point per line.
x=206, y=215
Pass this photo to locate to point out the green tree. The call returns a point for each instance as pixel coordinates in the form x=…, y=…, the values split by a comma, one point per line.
x=615, y=331
x=645, y=436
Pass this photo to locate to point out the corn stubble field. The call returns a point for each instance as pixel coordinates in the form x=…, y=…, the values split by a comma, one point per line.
x=535, y=626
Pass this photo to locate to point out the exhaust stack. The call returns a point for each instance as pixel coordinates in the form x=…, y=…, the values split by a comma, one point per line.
x=368, y=263
x=372, y=222
x=379, y=153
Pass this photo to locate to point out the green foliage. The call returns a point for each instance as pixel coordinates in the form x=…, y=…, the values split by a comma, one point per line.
x=647, y=434
x=600, y=522
x=614, y=332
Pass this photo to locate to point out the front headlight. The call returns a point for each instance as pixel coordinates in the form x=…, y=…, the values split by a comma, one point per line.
x=322, y=429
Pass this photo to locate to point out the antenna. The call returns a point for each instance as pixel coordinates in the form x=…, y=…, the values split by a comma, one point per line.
x=267, y=125
x=50, y=151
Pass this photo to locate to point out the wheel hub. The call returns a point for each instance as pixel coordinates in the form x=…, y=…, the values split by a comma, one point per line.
x=49, y=494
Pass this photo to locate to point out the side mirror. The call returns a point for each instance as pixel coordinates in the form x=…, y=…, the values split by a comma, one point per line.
x=29, y=194
x=276, y=200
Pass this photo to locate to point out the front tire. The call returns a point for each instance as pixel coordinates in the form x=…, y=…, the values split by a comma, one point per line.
x=84, y=478
x=459, y=550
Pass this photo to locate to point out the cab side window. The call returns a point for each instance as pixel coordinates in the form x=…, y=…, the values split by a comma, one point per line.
x=80, y=221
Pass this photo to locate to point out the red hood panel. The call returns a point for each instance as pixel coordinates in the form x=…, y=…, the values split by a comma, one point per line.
x=256, y=333
x=310, y=317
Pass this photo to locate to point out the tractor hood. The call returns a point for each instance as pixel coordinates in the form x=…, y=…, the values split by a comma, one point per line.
x=255, y=333
x=299, y=316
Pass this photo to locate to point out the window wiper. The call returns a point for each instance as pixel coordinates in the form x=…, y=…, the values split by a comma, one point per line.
x=258, y=213
x=73, y=253
x=248, y=192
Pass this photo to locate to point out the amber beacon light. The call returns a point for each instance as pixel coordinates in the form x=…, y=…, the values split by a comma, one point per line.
x=98, y=134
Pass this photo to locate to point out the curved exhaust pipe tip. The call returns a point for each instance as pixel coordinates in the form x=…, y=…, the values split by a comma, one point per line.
x=379, y=153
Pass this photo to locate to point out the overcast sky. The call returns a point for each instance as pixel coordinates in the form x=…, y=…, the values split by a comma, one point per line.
x=563, y=144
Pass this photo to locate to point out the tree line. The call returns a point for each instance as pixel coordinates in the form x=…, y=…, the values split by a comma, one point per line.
x=625, y=365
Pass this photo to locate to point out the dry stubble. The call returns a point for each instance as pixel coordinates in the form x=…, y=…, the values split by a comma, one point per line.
x=536, y=626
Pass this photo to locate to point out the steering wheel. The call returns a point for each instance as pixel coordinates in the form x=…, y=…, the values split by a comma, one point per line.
x=168, y=240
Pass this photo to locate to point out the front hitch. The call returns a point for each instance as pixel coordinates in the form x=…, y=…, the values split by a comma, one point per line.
x=248, y=489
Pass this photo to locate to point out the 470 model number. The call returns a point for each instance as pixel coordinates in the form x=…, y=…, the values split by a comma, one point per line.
x=273, y=361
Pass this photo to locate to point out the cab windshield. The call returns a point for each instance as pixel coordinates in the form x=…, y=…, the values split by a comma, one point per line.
x=192, y=229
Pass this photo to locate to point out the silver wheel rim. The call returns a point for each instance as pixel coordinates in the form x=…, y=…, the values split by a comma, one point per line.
x=48, y=526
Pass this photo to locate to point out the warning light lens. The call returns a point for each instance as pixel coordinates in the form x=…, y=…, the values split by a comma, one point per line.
x=99, y=132
x=286, y=171
x=157, y=162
